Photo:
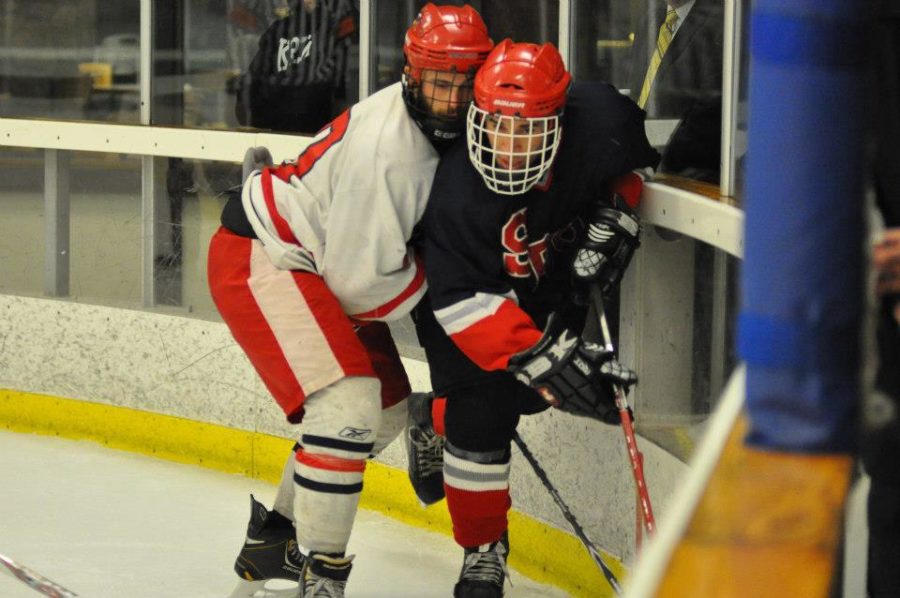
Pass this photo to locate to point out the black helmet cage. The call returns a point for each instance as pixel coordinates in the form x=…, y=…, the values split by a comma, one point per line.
x=437, y=127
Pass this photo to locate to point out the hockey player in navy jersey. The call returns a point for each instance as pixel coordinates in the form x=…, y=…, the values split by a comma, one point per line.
x=311, y=261
x=506, y=245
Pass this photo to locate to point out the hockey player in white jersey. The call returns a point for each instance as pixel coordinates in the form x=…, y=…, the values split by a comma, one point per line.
x=309, y=264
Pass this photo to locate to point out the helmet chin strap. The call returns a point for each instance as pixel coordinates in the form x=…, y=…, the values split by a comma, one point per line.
x=434, y=127
x=438, y=133
x=439, y=138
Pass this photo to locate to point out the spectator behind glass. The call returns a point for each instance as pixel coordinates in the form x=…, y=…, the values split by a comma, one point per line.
x=298, y=73
x=686, y=84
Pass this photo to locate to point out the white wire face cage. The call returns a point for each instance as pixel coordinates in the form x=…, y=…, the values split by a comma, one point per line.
x=511, y=153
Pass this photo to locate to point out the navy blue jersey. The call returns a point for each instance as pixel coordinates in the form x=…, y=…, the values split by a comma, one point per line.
x=497, y=265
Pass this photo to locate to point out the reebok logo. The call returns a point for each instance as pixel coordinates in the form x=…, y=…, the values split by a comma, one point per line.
x=354, y=433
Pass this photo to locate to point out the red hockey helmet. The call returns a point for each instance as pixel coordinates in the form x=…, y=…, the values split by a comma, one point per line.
x=447, y=38
x=522, y=80
x=443, y=39
x=513, y=126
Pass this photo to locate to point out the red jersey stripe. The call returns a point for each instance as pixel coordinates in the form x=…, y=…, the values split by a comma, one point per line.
x=411, y=289
x=281, y=225
x=307, y=159
x=304, y=163
x=492, y=340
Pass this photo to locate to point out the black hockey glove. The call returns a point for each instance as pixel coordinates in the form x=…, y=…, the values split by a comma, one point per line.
x=612, y=236
x=571, y=374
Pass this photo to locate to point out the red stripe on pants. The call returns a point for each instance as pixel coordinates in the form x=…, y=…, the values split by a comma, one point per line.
x=289, y=324
x=478, y=517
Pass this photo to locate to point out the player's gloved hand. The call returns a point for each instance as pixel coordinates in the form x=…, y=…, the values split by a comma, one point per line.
x=571, y=374
x=612, y=236
x=256, y=158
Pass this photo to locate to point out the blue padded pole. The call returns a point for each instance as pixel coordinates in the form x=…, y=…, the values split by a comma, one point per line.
x=802, y=289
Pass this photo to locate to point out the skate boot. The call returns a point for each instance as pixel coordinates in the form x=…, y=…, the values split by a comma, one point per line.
x=424, y=450
x=325, y=576
x=269, y=552
x=483, y=571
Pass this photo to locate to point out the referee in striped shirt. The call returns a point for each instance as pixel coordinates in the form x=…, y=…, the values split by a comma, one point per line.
x=299, y=69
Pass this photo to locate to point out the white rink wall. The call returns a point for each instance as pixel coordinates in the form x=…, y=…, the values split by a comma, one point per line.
x=192, y=368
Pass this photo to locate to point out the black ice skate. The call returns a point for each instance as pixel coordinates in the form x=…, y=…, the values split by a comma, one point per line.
x=483, y=571
x=424, y=450
x=325, y=576
x=269, y=552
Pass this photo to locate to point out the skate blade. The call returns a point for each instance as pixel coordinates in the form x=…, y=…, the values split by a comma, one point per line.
x=277, y=588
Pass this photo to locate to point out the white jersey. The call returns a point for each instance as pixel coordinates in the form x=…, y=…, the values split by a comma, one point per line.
x=346, y=208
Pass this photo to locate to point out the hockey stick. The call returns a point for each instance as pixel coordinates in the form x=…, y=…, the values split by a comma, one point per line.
x=33, y=580
x=634, y=455
x=567, y=513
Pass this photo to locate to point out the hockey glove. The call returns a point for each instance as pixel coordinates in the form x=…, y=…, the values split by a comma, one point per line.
x=255, y=158
x=612, y=236
x=573, y=375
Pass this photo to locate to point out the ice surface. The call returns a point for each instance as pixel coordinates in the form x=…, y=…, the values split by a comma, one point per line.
x=107, y=523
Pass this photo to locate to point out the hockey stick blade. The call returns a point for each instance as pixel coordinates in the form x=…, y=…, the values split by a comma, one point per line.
x=33, y=580
x=634, y=456
x=567, y=513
